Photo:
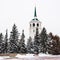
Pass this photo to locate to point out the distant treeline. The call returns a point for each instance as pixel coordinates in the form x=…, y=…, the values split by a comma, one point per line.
x=42, y=43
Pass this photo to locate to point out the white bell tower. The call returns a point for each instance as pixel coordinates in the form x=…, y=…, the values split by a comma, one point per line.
x=33, y=24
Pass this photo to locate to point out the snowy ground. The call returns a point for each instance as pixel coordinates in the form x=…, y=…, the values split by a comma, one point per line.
x=31, y=57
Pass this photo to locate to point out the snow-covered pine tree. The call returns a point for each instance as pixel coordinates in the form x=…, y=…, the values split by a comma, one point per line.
x=6, y=42
x=1, y=43
x=43, y=41
x=22, y=43
x=36, y=42
x=29, y=45
x=49, y=42
x=13, y=43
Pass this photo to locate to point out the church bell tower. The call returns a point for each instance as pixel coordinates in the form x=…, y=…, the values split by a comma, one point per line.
x=33, y=24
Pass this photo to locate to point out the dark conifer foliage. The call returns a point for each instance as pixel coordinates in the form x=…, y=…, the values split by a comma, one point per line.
x=1, y=37
x=36, y=42
x=1, y=43
x=13, y=40
x=55, y=46
x=29, y=45
x=49, y=43
x=22, y=43
x=6, y=42
x=43, y=41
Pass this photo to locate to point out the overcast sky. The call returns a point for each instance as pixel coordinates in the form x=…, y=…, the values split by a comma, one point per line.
x=21, y=12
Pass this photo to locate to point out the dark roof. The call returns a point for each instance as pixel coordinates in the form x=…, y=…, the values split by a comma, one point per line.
x=35, y=15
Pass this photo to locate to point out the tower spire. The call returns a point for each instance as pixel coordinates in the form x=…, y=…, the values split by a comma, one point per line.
x=35, y=15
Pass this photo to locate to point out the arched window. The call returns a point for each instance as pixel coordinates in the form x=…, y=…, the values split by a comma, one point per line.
x=37, y=24
x=33, y=24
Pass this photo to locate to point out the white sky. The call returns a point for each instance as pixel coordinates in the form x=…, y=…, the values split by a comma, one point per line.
x=21, y=12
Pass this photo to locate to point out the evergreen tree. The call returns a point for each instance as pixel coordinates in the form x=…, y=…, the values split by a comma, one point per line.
x=55, y=46
x=30, y=45
x=1, y=37
x=36, y=42
x=43, y=41
x=49, y=43
x=13, y=47
x=1, y=43
x=6, y=42
x=22, y=43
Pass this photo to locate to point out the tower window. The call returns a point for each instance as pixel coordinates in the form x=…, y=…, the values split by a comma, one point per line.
x=30, y=25
x=33, y=24
x=37, y=24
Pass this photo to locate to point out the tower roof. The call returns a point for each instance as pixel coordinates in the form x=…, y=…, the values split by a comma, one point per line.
x=35, y=15
x=35, y=19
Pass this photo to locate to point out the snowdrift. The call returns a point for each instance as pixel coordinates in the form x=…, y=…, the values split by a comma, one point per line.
x=29, y=56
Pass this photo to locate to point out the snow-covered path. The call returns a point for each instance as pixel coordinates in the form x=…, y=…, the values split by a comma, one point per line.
x=40, y=58
x=32, y=57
